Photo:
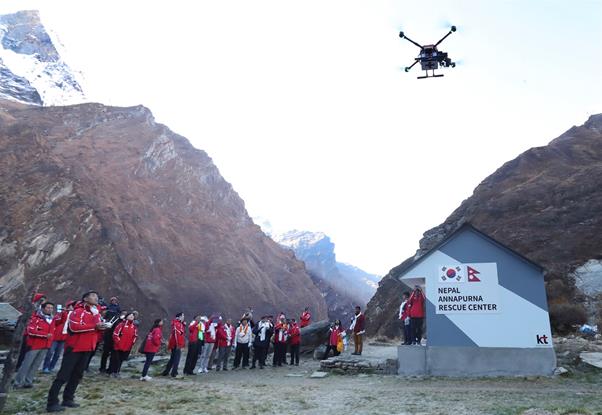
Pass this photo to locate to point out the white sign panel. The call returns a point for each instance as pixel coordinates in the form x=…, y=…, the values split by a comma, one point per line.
x=467, y=289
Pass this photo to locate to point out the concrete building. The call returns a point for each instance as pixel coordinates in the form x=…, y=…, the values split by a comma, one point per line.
x=486, y=311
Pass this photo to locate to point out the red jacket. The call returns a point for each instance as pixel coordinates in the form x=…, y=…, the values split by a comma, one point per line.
x=305, y=318
x=82, y=329
x=335, y=332
x=416, y=304
x=176, y=337
x=210, y=331
x=59, y=323
x=360, y=323
x=153, y=340
x=193, y=331
x=38, y=330
x=280, y=333
x=225, y=335
x=294, y=335
x=124, y=336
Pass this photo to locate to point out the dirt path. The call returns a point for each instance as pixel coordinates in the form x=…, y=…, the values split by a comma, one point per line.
x=290, y=390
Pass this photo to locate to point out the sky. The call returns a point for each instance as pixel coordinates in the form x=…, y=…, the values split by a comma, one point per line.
x=306, y=110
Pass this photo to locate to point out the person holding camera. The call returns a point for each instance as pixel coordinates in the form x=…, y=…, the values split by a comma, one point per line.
x=416, y=312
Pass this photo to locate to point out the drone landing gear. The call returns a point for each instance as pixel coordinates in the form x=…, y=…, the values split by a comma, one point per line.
x=430, y=76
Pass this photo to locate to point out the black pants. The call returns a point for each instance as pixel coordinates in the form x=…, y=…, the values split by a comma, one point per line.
x=295, y=354
x=117, y=359
x=191, y=358
x=416, y=324
x=242, y=351
x=279, y=354
x=105, y=357
x=71, y=372
x=407, y=334
x=260, y=353
x=174, y=362
x=147, y=363
x=329, y=348
x=91, y=356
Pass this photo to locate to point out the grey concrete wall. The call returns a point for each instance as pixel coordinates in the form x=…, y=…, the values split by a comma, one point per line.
x=412, y=360
x=475, y=361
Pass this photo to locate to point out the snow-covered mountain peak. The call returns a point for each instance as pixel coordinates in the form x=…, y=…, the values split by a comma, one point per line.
x=31, y=69
x=298, y=239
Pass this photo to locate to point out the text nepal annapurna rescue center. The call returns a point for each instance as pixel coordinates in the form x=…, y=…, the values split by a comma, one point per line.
x=486, y=311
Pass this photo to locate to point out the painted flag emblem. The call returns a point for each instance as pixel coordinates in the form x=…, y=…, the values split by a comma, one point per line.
x=472, y=274
x=451, y=274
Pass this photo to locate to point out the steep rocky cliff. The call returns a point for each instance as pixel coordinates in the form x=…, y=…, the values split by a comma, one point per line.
x=103, y=197
x=545, y=204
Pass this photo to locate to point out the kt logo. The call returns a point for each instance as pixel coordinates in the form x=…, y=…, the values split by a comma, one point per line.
x=542, y=339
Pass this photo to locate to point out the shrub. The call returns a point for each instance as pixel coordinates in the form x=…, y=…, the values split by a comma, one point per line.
x=564, y=316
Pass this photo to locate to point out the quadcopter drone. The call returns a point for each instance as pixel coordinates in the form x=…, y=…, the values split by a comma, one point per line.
x=430, y=58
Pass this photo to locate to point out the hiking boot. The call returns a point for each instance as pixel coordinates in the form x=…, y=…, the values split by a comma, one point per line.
x=54, y=408
x=70, y=404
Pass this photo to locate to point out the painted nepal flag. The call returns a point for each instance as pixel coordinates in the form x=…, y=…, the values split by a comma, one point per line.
x=472, y=274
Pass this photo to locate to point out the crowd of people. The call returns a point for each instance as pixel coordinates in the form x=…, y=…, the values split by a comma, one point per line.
x=77, y=330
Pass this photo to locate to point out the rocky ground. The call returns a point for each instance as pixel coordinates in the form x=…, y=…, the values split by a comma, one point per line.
x=289, y=390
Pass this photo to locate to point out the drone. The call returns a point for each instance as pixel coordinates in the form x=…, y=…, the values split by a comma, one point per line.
x=430, y=57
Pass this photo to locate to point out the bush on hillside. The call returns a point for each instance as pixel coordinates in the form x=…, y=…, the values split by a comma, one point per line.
x=564, y=316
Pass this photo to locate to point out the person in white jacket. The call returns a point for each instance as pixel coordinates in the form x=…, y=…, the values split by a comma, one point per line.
x=242, y=341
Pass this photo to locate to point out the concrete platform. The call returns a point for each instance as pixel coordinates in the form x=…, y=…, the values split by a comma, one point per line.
x=475, y=361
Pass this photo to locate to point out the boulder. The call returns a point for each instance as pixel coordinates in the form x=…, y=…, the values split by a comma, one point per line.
x=314, y=335
x=592, y=358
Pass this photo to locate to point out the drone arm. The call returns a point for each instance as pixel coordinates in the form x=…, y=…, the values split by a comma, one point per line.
x=453, y=29
x=403, y=36
x=407, y=69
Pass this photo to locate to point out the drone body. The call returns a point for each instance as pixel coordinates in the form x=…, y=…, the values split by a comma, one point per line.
x=430, y=57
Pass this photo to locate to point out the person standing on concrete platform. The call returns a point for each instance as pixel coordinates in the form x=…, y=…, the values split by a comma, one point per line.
x=404, y=317
x=416, y=304
x=83, y=324
x=39, y=339
x=358, y=328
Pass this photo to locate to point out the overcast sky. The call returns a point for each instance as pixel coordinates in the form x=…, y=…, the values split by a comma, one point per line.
x=305, y=109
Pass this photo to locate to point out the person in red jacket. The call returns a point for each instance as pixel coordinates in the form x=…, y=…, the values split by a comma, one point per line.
x=39, y=332
x=336, y=331
x=225, y=339
x=82, y=325
x=124, y=337
x=58, y=338
x=294, y=338
x=358, y=328
x=151, y=346
x=305, y=318
x=176, y=343
x=209, y=347
x=280, y=340
x=416, y=313
x=36, y=301
x=193, y=346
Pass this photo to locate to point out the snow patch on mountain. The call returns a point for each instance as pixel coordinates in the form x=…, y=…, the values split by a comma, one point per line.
x=31, y=69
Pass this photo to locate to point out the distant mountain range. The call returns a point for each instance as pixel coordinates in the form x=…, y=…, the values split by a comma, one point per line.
x=342, y=285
